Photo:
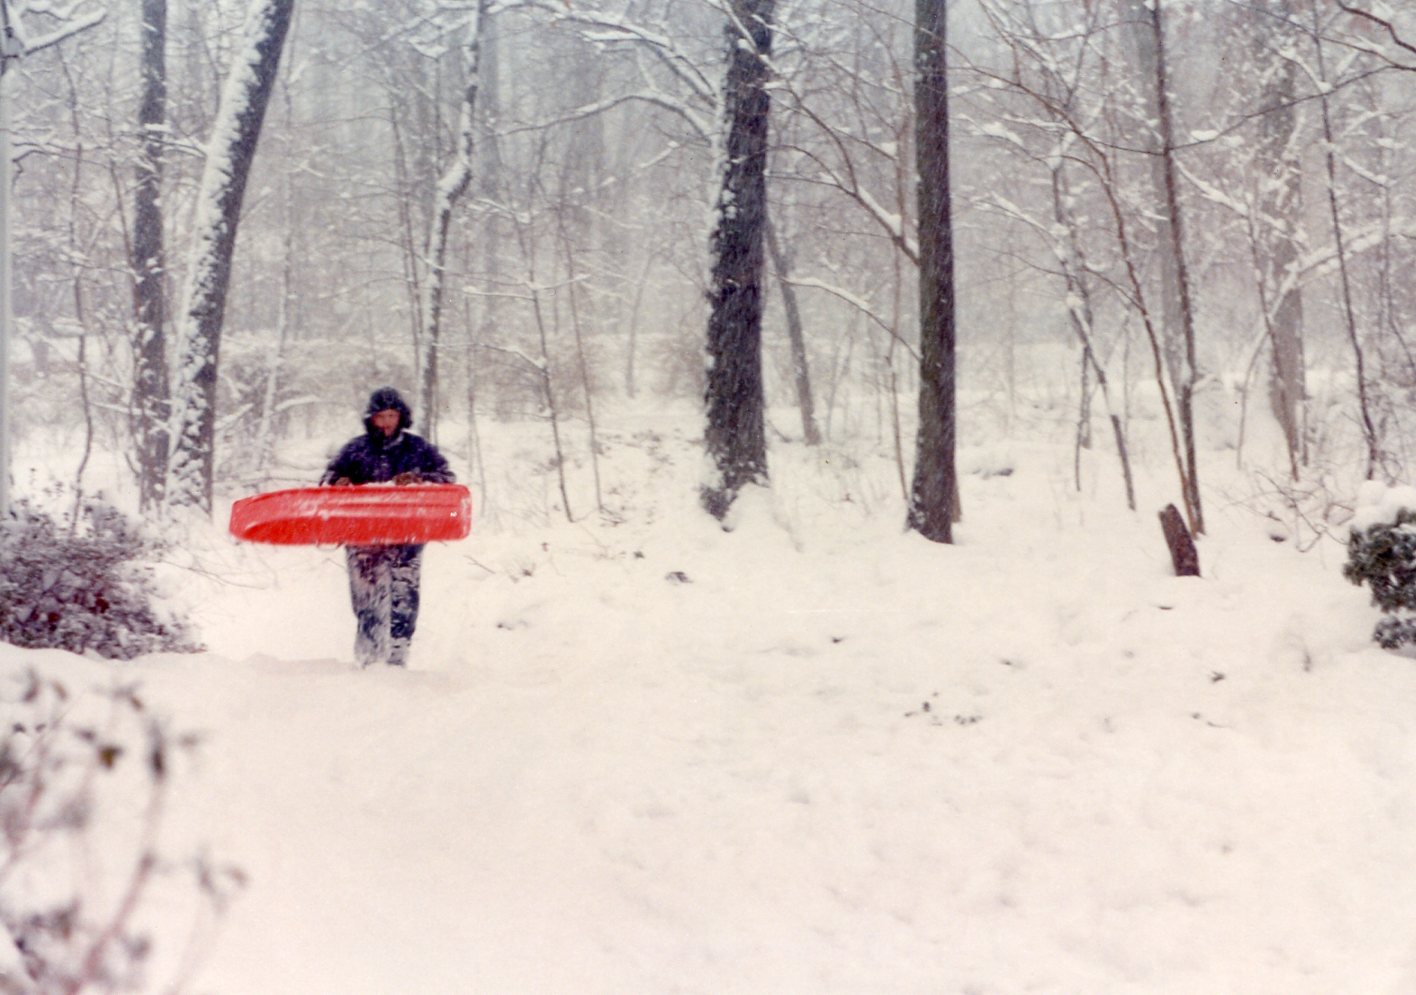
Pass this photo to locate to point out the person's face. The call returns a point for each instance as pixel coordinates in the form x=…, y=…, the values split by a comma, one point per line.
x=386, y=422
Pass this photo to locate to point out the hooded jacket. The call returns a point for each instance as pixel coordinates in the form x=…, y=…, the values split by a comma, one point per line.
x=373, y=458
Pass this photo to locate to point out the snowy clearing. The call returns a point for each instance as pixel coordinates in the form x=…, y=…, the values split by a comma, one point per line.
x=810, y=755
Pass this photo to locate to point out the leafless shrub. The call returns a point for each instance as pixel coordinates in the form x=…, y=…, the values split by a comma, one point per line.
x=81, y=807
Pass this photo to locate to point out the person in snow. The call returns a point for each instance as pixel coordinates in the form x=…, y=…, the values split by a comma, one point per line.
x=383, y=580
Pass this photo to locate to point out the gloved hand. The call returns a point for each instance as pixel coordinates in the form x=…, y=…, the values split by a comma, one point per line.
x=408, y=477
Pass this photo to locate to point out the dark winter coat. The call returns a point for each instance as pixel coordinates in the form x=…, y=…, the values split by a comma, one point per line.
x=373, y=458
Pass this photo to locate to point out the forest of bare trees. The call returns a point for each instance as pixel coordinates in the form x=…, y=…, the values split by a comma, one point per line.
x=526, y=208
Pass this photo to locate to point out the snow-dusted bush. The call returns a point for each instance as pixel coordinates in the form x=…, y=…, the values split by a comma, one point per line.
x=1381, y=553
x=83, y=586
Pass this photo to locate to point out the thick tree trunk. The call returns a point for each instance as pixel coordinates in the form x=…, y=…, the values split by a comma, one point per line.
x=230, y=153
x=151, y=402
x=735, y=434
x=933, y=494
x=451, y=186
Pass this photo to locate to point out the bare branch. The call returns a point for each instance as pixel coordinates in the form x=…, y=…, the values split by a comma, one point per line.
x=1386, y=25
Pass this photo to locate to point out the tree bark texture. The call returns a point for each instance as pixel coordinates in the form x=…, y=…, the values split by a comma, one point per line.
x=229, y=156
x=935, y=485
x=151, y=403
x=735, y=435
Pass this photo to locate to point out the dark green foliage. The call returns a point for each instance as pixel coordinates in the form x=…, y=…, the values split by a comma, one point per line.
x=1384, y=558
x=83, y=586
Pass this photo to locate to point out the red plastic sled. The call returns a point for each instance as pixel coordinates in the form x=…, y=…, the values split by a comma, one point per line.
x=371, y=515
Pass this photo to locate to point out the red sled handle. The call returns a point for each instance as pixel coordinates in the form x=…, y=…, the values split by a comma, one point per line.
x=367, y=515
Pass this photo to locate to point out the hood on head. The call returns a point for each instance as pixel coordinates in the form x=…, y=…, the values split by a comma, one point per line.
x=387, y=399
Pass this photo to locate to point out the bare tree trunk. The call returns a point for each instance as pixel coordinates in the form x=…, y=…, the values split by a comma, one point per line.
x=934, y=491
x=1074, y=268
x=228, y=165
x=526, y=235
x=10, y=51
x=897, y=287
x=265, y=432
x=1097, y=157
x=1277, y=228
x=1084, y=406
x=1108, y=187
x=630, y=381
x=1349, y=313
x=796, y=338
x=585, y=383
x=489, y=181
x=151, y=400
x=548, y=393
x=1283, y=404
x=81, y=316
x=76, y=252
x=475, y=462
x=735, y=434
x=13, y=46
x=1140, y=14
x=1185, y=385
x=840, y=367
x=451, y=186
x=408, y=242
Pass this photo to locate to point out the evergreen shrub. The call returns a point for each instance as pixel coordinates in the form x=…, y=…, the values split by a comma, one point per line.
x=1382, y=555
x=84, y=586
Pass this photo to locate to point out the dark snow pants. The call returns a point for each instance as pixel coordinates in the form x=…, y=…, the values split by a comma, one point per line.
x=383, y=586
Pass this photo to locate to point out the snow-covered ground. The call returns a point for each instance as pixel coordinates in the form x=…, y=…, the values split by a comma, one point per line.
x=813, y=754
